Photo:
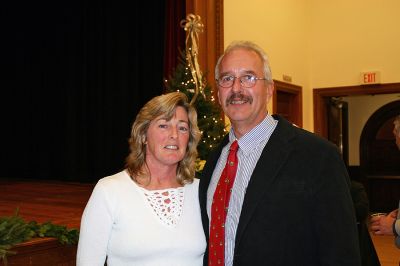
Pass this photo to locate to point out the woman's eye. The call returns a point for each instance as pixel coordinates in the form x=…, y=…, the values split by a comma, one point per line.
x=162, y=126
x=185, y=129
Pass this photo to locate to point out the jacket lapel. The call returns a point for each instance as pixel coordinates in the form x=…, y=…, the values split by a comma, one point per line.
x=272, y=159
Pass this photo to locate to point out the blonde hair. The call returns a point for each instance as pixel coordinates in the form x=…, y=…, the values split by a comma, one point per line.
x=251, y=47
x=164, y=105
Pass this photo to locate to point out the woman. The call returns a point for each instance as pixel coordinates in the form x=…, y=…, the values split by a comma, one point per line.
x=149, y=213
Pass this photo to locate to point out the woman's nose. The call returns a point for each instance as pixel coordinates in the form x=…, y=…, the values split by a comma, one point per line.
x=173, y=133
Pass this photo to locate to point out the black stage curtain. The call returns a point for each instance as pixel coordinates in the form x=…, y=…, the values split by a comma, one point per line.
x=175, y=35
x=74, y=76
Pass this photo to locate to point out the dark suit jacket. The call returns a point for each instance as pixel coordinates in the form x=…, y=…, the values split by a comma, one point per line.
x=297, y=209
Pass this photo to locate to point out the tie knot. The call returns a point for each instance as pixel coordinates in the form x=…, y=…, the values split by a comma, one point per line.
x=234, y=146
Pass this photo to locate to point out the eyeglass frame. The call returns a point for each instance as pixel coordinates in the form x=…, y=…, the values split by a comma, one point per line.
x=254, y=77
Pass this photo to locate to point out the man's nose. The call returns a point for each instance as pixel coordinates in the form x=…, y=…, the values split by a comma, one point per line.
x=237, y=85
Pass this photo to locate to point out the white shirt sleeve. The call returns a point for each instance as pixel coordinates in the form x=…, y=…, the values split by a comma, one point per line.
x=96, y=225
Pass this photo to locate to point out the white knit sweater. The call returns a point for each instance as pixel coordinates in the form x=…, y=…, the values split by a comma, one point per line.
x=133, y=226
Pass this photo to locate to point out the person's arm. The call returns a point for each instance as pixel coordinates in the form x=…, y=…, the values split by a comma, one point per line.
x=397, y=231
x=396, y=228
x=95, y=229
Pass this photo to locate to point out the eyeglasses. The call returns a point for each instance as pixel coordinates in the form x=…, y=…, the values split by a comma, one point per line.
x=246, y=81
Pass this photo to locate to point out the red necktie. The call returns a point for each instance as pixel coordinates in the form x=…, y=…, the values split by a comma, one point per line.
x=219, y=208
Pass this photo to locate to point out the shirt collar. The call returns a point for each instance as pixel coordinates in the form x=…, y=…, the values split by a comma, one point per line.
x=259, y=133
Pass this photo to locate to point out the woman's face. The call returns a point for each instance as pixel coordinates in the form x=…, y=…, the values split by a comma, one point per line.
x=167, y=140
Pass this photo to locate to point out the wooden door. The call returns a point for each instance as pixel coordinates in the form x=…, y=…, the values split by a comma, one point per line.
x=287, y=102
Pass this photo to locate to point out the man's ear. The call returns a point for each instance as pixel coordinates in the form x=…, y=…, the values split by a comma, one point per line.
x=270, y=89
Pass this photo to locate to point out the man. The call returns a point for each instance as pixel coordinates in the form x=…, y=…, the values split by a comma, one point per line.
x=389, y=224
x=290, y=203
x=396, y=130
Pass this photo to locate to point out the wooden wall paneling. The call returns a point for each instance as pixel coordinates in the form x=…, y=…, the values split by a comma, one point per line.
x=42, y=252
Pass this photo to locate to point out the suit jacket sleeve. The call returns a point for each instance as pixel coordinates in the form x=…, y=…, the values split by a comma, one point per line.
x=334, y=214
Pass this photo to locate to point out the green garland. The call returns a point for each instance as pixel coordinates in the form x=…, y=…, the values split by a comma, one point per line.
x=14, y=230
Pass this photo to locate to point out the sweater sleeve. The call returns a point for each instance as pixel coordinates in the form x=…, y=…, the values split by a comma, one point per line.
x=96, y=225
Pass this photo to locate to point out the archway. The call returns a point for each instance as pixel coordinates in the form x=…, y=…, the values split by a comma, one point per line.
x=380, y=158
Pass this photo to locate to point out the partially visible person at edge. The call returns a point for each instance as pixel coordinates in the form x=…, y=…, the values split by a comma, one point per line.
x=149, y=213
x=389, y=224
x=290, y=203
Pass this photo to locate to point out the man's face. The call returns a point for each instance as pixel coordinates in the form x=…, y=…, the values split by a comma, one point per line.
x=397, y=138
x=245, y=107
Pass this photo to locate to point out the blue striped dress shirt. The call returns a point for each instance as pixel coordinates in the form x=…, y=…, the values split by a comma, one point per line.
x=251, y=146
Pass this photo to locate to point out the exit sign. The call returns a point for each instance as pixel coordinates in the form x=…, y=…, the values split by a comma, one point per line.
x=370, y=77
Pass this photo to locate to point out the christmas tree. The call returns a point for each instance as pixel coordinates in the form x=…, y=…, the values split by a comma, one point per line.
x=187, y=78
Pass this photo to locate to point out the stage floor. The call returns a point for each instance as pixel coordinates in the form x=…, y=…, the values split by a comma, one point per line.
x=59, y=202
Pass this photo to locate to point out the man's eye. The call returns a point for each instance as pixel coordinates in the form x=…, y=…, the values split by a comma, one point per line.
x=248, y=78
x=226, y=78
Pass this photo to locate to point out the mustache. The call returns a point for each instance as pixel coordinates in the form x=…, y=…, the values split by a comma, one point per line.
x=238, y=96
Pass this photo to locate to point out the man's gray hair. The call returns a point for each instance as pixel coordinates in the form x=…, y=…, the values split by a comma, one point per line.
x=251, y=47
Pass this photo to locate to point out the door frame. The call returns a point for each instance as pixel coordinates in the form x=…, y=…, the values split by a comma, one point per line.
x=320, y=96
x=296, y=91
